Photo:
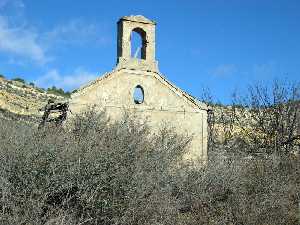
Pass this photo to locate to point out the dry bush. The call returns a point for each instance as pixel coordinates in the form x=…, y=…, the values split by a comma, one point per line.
x=243, y=191
x=256, y=165
x=264, y=120
x=269, y=117
x=95, y=171
x=92, y=172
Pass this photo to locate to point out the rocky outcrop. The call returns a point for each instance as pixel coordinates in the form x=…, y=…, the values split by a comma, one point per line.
x=19, y=100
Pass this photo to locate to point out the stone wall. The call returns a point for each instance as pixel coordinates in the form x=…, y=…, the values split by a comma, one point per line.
x=163, y=105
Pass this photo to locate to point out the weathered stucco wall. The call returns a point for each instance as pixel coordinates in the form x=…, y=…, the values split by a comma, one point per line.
x=161, y=105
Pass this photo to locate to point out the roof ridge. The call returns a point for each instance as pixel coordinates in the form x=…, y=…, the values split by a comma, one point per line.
x=199, y=104
x=89, y=84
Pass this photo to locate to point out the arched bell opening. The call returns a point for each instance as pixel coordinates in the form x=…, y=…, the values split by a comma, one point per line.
x=138, y=43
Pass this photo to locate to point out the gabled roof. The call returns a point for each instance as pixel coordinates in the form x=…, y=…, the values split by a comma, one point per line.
x=188, y=98
x=181, y=93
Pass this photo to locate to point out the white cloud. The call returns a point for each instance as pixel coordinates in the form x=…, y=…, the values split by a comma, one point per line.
x=68, y=81
x=26, y=43
x=21, y=41
x=77, y=31
x=224, y=70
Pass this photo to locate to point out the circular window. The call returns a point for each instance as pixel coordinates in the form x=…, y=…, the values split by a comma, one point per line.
x=138, y=95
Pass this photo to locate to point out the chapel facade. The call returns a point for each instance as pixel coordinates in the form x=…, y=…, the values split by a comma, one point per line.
x=137, y=86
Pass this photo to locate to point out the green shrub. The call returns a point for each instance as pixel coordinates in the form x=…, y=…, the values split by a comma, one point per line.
x=41, y=90
x=58, y=91
x=19, y=80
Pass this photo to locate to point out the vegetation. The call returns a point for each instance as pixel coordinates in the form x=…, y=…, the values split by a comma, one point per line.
x=266, y=120
x=41, y=90
x=58, y=91
x=19, y=80
x=53, y=90
x=95, y=171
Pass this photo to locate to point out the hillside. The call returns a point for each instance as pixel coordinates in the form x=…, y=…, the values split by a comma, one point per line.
x=23, y=101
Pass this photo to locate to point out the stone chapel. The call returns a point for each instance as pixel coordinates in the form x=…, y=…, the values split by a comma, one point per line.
x=137, y=86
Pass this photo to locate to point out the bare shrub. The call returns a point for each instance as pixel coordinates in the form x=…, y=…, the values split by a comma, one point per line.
x=252, y=175
x=249, y=191
x=93, y=172
x=269, y=117
x=264, y=120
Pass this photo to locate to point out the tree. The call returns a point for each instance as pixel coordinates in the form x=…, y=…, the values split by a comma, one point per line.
x=58, y=91
x=269, y=117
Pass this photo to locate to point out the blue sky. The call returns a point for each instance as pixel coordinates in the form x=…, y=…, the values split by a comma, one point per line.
x=221, y=45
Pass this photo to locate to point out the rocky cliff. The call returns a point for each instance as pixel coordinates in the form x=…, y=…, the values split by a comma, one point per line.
x=22, y=101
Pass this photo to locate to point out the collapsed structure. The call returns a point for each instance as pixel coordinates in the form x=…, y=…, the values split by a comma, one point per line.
x=60, y=109
x=137, y=86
